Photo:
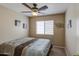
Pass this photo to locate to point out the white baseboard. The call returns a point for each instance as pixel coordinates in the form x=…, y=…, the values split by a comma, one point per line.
x=67, y=52
x=58, y=46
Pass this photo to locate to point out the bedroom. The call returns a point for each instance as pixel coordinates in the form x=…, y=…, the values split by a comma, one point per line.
x=55, y=27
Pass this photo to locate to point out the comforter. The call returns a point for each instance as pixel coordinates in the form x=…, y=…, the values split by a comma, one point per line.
x=39, y=47
x=10, y=47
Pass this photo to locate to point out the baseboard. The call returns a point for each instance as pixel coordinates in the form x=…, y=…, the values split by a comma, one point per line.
x=58, y=46
x=67, y=52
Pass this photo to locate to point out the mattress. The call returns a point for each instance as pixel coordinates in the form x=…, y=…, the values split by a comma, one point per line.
x=38, y=48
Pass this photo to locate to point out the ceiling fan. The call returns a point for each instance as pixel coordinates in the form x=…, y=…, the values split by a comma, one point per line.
x=34, y=10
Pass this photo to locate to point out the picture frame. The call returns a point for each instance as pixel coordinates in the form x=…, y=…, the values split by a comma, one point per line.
x=69, y=25
x=24, y=25
x=17, y=22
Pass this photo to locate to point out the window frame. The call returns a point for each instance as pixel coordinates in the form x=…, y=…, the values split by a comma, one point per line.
x=44, y=28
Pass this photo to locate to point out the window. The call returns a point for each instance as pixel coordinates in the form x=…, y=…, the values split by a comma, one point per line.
x=45, y=27
x=40, y=27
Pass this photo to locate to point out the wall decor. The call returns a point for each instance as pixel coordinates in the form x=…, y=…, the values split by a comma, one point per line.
x=59, y=25
x=24, y=25
x=17, y=22
x=70, y=23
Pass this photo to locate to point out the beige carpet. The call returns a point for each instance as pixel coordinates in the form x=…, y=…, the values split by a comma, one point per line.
x=55, y=51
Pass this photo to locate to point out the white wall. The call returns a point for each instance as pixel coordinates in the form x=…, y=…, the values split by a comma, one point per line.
x=8, y=30
x=71, y=36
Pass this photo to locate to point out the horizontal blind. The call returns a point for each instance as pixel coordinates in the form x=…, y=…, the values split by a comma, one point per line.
x=40, y=27
x=45, y=27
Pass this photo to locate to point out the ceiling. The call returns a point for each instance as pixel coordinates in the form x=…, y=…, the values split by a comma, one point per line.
x=53, y=8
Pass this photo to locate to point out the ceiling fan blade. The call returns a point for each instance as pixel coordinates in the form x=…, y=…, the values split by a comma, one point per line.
x=26, y=11
x=43, y=8
x=41, y=12
x=26, y=5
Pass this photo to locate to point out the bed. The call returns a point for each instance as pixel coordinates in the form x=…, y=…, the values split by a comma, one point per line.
x=26, y=47
x=14, y=47
x=39, y=47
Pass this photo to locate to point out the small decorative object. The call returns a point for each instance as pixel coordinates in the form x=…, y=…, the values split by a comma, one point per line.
x=60, y=25
x=70, y=23
x=24, y=25
x=17, y=22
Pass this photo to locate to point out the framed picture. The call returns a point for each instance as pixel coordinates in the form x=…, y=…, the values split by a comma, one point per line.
x=70, y=23
x=17, y=22
x=24, y=25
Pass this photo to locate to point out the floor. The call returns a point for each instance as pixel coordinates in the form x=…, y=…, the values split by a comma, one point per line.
x=56, y=51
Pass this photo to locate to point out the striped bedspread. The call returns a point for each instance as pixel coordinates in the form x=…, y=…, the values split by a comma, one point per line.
x=15, y=47
x=39, y=47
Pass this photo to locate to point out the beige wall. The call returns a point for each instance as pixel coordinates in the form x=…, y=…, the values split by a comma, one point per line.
x=8, y=31
x=77, y=34
x=58, y=37
x=72, y=34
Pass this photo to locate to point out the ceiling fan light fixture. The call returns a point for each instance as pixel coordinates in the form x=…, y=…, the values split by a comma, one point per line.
x=35, y=10
x=34, y=13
